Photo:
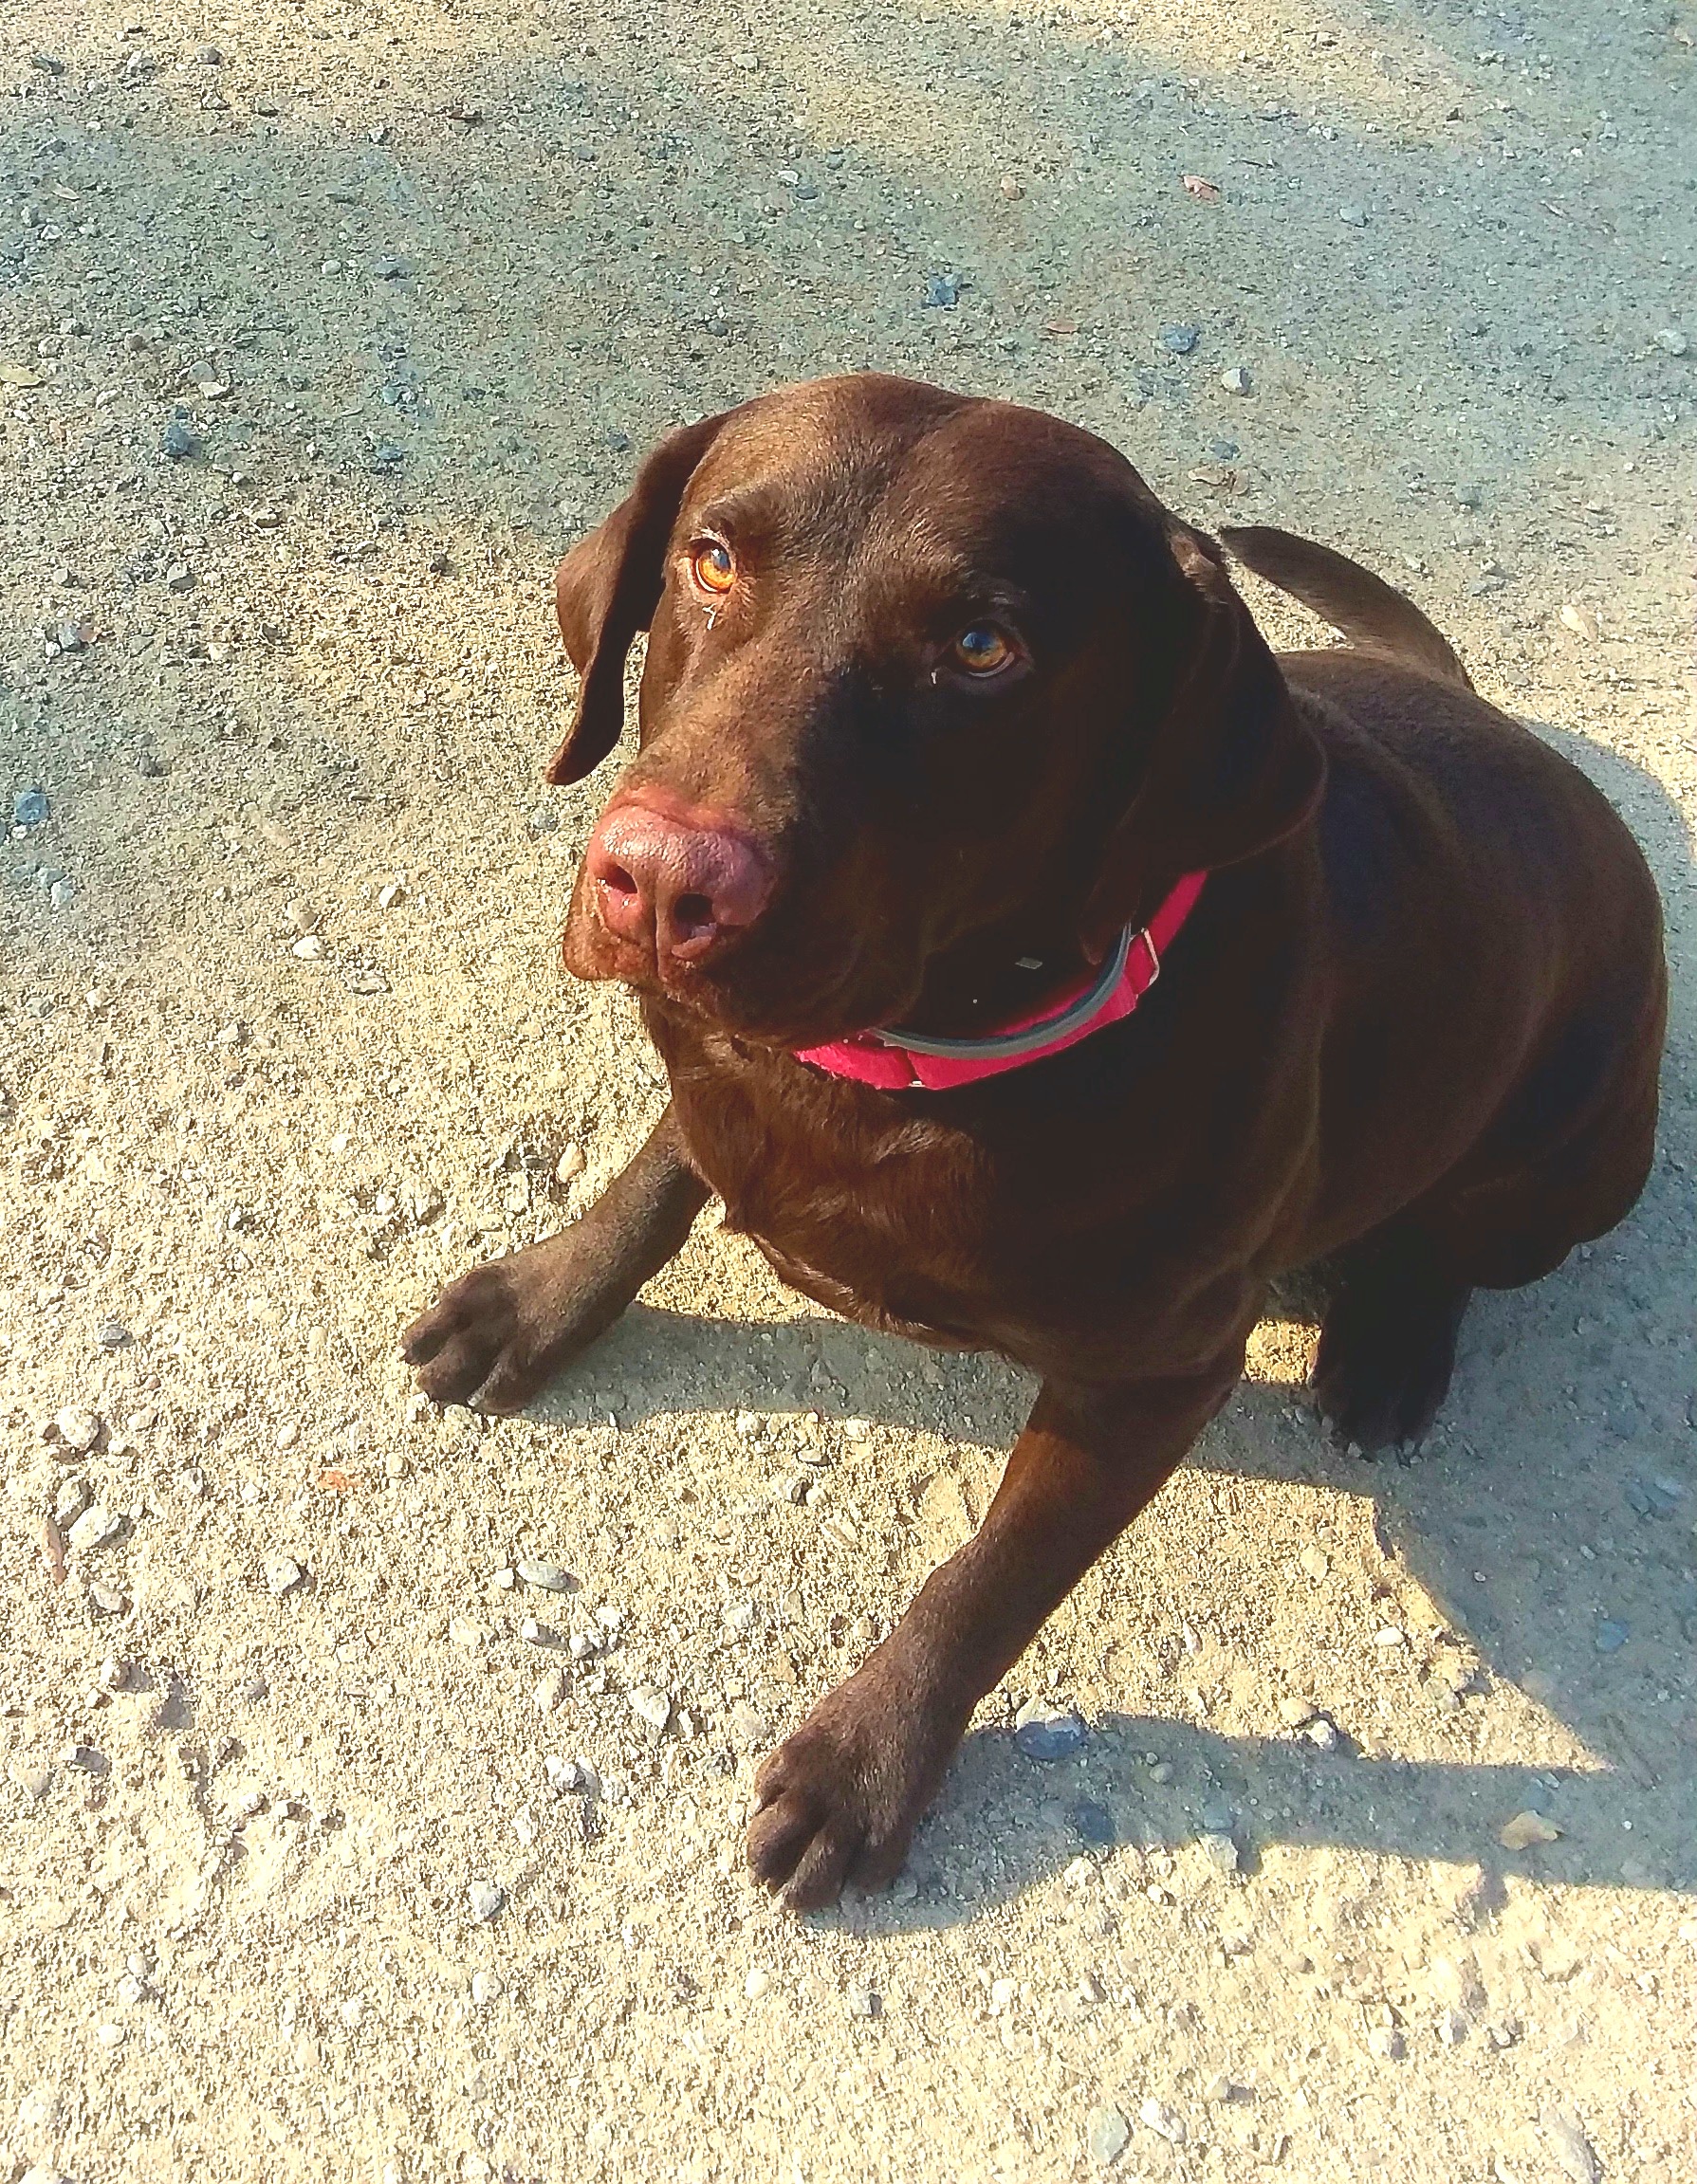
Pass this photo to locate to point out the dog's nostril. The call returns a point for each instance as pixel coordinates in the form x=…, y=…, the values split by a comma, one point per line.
x=615, y=877
x=692, y=915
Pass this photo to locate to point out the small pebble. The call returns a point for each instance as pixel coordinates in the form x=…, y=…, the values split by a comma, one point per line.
x=1387, y=2042
x=71, y=1501
x=1322, y=1731
x=178, y=440
x=1162, y=2121
x=1047, y=1733
x=1353, y=216
x=549, y=1695
x=1526, y=1830
x=546, y=1576
x=30, y=808
x=1106, y=2134
x=281, y=1573
x=942, y=292
x=569, y=1165
x=394, y=891
x=654, y=1707
x=486, y=1987
x=1221, y=1852
x=106, y=1599
x=1572, y=2149
x=1672, y=342
x=1095, y=1823
x=1181, y=341
x=96, y=1528
x=1612, y=1634
x=1219, y=2090
x=115, y=1335
x=1236, y=379
x=865, y=2002
x=85, y=1757
x=486, y=1900
x=563, y=1774
x=179, y=577
x=756, y=1985
x=1162, y=1771
x=77, y=1429
x=535, y=1633
x=1452, y=2028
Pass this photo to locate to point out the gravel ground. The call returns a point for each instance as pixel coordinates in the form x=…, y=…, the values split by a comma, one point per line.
x=335, y=1842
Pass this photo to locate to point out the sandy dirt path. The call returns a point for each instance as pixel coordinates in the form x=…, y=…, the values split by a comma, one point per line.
x=322, y=331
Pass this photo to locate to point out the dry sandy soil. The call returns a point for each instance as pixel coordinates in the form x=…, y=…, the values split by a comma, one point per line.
x=414, y=285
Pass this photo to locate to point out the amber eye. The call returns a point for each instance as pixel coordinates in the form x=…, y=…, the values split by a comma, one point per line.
x=982, y=649
x=712, y=565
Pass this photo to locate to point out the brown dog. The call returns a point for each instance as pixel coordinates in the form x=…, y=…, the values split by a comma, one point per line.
x=941, y=711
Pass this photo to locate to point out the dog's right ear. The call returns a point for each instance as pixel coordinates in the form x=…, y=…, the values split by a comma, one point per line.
x=607, y=589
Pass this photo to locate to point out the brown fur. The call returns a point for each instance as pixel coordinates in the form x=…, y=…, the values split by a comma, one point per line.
x=1411, y=1028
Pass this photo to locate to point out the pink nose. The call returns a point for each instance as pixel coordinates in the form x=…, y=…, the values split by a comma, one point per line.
x=680, y=885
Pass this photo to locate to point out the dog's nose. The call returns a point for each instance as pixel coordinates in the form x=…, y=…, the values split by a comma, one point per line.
x=684, y=885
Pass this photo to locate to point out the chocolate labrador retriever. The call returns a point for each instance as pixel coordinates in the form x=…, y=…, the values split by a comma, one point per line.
x=1041, y=965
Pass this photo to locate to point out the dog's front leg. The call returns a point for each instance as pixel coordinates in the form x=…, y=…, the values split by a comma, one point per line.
x=839, y=1801
x=500, y=1334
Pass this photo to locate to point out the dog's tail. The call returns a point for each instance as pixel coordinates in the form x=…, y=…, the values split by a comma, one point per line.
x=1374, y=616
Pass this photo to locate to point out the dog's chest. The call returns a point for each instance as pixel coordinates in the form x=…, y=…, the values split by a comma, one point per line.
x=888, y=1221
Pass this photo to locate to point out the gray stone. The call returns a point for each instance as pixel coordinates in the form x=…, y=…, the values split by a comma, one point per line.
x=30, y=808
x=281, y=1573
x=1046, y=1733
x=1106, y=2134
x=942, y=292
x=115, y=1335
x=1654, y=1498
x=1217, y=1815
x=1353, y=216
x=106, y=1599
x=487, y=1900
x=1572, y=2149
x=865, y=2002
x=1221, y=1852
x=1236, y=379
x=85, y=1757
x=1612, y=1634
x=178, y=440
x=546, y=1577
x=1181, y=341
x=1672, y=342
x=1095, y=1823
x=179, y=577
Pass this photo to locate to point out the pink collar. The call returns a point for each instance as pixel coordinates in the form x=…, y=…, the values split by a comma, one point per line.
x=902, y=1061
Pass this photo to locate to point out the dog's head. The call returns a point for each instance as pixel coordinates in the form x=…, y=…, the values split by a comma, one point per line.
x=925, y=674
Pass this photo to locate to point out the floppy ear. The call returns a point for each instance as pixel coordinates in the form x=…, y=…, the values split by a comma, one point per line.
x=607, y=589
x=1231, y=769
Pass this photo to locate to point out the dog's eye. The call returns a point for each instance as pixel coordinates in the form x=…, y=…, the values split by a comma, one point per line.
x=983, y=648
x=713, y=566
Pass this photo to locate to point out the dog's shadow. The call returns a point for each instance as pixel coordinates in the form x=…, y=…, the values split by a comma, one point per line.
x=1551, y=1524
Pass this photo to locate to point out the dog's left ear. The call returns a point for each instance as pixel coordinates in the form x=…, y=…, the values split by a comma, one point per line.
x=1230, y=769
x=607, y=588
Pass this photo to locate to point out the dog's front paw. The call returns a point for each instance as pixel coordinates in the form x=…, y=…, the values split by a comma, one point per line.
x=482, y=1333
x=841, y=1800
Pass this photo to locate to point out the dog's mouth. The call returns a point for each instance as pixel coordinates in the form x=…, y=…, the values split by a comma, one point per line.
x=745, y=986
